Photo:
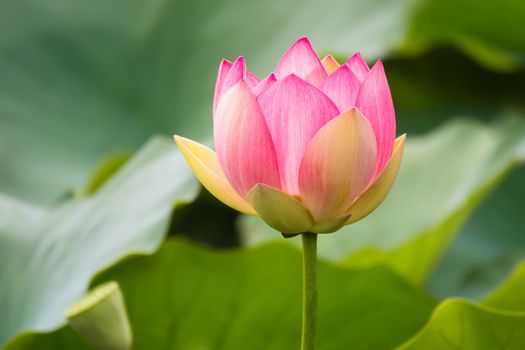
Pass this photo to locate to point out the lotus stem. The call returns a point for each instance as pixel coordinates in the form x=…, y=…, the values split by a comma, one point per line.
x=309, y=332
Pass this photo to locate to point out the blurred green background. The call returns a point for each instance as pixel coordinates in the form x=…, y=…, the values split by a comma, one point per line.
x=85, y=84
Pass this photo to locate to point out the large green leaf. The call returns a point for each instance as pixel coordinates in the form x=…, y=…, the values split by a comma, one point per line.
x=510, y=294
x=443, y=177
x=444, y=22
x=458, y=324
x=440, y=85
x=489, y=245
x=48, y=256
x=497, y=324
x=185, y=297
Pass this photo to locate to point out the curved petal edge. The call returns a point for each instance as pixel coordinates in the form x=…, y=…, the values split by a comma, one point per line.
x=330, y=226
x=358, y=66
x=300, y=59
x=205, y=164
x=375, y=102
x=280, y=210
x=377, y=192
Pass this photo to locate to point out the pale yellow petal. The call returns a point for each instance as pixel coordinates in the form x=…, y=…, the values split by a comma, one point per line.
x=330, y=64
x=205, y=164
x=377, y=192
x=280, y=210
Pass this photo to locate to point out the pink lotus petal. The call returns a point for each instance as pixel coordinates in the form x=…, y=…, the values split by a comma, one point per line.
x=342, y=87
x=358, y=66
x=338, y=165
x=236, y=73
x=264, y=84
x=242, y=141
x=251, y=79
x=224, y=69
x=375, y=102
x=294, y=111
x=301, y=60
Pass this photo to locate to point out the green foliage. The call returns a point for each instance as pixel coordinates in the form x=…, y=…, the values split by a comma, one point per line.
x=492, y=35
x=499, y=323
x=442, y=84
x=105, y=171
x=509, y=295
x=186, y=297
x=488, y=246
x=458, y=324
x=175, y=302
x=48, y=256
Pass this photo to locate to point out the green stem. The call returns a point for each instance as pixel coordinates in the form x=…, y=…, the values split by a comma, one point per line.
x=309, y=291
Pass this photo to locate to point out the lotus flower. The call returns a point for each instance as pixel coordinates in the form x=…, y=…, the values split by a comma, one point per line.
x=310, y=148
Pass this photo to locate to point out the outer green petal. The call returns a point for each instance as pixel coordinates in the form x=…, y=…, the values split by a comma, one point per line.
x=280, y=210
x=332, y=225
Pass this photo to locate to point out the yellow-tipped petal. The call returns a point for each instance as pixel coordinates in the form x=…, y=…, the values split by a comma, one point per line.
x=280, y=210
x=332, y=225
x=205, y=164
x=376, y=193
x=330, y=64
